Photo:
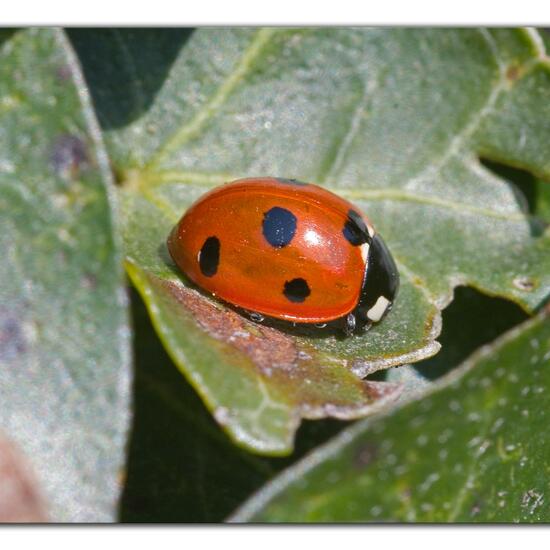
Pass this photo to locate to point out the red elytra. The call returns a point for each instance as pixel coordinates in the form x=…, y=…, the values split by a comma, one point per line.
x=287, y=250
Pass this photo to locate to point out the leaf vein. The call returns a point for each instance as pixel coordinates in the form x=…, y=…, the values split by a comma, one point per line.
x=335, y=165
x=369, y=194
x=457, y=142
x=190, y=130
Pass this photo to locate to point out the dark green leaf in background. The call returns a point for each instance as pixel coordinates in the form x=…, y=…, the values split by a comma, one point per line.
x=469, y=322
x=473, y=449
x=393, y=119
x=64, y=338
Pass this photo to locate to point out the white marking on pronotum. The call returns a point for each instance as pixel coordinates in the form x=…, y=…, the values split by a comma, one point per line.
x=377, y=310
x=365, y=252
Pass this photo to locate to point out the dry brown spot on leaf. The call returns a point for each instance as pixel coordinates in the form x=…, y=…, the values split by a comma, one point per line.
x=379, y=390
x=69, y=156
x=88, y=281
x=304, y=375
x=267, y=347
x=513, y=72
x=20, y=501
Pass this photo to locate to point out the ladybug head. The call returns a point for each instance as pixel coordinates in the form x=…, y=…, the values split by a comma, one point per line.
x=380, y=285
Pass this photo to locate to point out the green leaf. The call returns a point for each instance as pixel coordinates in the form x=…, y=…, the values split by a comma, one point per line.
x=474, y=448
x=393, y=119
x=64, y=341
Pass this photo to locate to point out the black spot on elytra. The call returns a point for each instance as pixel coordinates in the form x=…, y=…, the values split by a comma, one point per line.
x=209, y=256
x=279, y=226
x=69, y=155
x=355, y=229
x=296, y=290
x=288, y=181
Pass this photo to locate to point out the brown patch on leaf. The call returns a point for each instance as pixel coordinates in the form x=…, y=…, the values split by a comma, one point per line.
x=267, y=347
x=20, y=501
x=69, y=156
x=316, y=385
x=88, y=281
x=513, y=72
x=380, y=390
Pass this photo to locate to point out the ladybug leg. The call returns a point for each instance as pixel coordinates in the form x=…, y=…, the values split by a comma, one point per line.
x=349, y=325
x=256, y=317
x=366, y=327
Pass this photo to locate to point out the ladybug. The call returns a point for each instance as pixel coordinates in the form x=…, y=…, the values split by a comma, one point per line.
x=290, y=251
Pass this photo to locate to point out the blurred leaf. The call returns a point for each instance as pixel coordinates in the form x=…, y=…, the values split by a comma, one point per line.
x=64, y=358
x=393, y=119
x=20, y=500
x=474, y=448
